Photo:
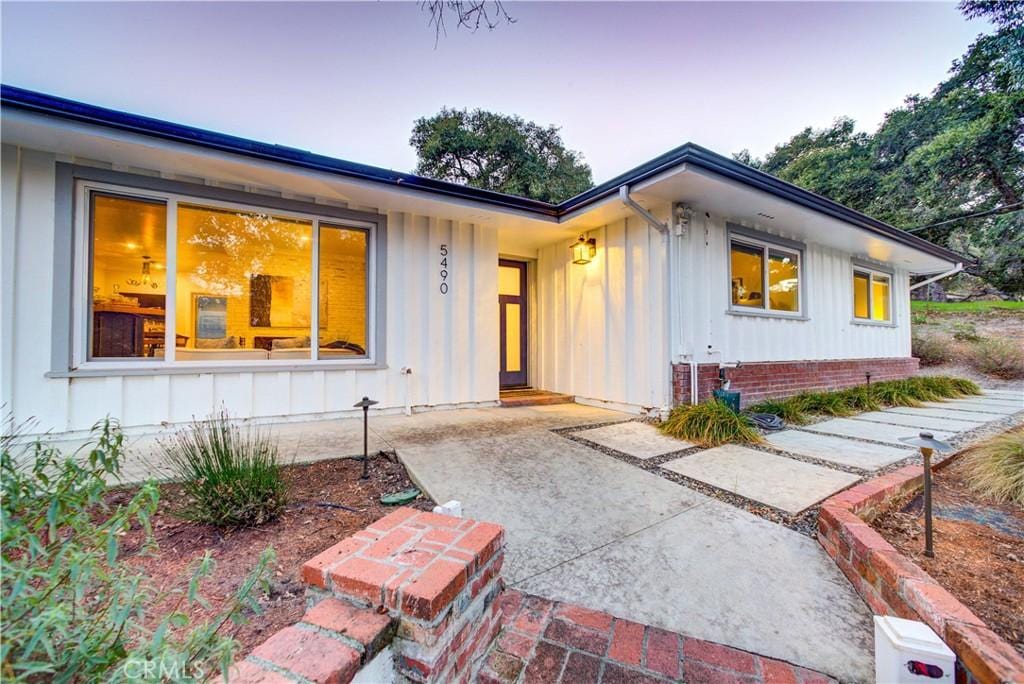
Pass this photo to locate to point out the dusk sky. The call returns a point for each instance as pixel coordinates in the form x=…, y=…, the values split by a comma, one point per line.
x=625, y=81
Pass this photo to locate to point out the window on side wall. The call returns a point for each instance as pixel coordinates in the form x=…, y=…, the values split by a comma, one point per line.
x=872, y=296
x=235, y=283
x=764, y=277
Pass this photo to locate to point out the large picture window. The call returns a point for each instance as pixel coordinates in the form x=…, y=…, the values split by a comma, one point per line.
x=234, y=283
x=872, y=296
x=763, y=276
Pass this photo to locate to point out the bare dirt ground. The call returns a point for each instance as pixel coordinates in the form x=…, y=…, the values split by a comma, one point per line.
x=979, y=550
x=994, y=323
x=306, y=528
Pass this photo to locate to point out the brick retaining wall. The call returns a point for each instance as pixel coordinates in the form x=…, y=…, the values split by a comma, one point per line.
x=772, y=379
x=893, y=585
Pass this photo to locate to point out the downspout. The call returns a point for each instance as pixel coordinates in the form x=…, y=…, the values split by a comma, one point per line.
x=953, y=271
x=661, y=227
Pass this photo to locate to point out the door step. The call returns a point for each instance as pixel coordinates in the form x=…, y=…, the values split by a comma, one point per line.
x=533, y=397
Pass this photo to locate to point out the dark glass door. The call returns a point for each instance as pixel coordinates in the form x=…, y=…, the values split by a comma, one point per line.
x=512, y=319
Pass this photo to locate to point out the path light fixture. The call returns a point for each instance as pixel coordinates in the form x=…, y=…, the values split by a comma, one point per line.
x=583, y=250
x=927, y=443
x=365, y=404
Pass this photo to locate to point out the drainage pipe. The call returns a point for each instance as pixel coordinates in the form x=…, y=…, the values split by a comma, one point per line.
x=662, y=228
x=953, y=271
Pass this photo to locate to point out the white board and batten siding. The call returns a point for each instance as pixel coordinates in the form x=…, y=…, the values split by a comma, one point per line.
x=602, y=327
x=702, y=279
x=448, y=340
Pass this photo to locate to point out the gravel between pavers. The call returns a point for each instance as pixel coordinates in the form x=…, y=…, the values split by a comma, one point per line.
x=805, y=522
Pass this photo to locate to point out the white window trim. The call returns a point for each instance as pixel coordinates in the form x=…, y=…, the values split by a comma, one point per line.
x=766, y=245
x=82, y=296
x=871, y=273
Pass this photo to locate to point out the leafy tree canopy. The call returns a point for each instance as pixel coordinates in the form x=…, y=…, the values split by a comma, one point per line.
x=498, y=152
x=953, y=155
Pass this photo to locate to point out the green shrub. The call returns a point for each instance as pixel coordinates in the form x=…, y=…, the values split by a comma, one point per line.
x=896, y=393
x=709, y=424
x=997, y=356
x=965, y=331
x=964, y=387
x=824, y=403
x=232, y=477
x=859, y=399
x=73, y=611
x=932, y=350
x=789, y=410
x=995, y=468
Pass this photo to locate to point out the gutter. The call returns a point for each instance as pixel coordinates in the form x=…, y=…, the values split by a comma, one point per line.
x=670, y=295
x=953, y=271
x=48, y=105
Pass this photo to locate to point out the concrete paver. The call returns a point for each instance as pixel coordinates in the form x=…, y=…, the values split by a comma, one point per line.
x=954, y=416
x=862, y=429
x=1003, y=408
x=640, y=440
x=918, y=421
x=841, y=450
x=784, y=483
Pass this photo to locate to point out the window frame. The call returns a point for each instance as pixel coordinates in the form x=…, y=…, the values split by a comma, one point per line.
x=766, y=243
x=82, y=227
x=872, y=272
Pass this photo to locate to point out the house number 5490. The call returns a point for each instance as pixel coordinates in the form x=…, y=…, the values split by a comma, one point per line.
x=444, y=269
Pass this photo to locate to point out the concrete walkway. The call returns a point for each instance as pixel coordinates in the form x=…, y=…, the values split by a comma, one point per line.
x=586, y=528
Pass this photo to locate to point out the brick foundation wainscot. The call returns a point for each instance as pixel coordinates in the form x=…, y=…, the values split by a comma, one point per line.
x=774, y=379
x=419, y=597
x=892, y=585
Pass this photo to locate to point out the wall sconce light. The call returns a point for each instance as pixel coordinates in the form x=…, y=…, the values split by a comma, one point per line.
x=583, y=250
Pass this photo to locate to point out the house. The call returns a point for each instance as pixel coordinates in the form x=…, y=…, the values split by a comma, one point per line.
x=155, y=272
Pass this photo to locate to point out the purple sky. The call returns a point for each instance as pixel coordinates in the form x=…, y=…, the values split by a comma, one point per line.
x=625, y=81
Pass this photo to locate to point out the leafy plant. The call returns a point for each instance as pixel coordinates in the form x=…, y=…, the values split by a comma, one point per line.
x=995, y=468
x=896, y=393
x=73, y=609
x=932, y=350
x=232, y=477
x=709, y=424
x=824, y=403
x=997, y=356
x=859, y=399
x=965, y=331
x=789, y=410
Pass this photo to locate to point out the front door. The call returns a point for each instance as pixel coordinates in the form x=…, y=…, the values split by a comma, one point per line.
x=512, y=319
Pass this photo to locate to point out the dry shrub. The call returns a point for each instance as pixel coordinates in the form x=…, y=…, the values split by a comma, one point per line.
x=997, y=356
x=932, y=350
x=995, y=468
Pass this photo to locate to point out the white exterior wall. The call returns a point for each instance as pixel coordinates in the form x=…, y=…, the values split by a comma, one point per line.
x=602, y=327
x=702, y=279
x=449, y=341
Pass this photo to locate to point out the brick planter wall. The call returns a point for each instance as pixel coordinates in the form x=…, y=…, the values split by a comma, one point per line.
x=771, y=379
x=419, y=584
x=893, y=585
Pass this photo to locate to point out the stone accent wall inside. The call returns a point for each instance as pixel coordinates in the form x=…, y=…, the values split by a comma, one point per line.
x=772, y=379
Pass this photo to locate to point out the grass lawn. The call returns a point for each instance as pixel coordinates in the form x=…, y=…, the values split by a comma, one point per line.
x=962, y=307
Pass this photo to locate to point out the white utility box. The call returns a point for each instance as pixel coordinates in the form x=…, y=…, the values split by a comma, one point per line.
x=909, y=652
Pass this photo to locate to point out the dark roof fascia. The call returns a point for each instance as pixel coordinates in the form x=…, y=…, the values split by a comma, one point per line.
x=700, y=157
x=19, y=98
x=41, y=103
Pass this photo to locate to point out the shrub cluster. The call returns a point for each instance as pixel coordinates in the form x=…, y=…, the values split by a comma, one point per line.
x=709, y=424
x=910, y=392
x=995, y=468
x=997, y=356
x=73, y=610
x=932, y=350
x=231, y=476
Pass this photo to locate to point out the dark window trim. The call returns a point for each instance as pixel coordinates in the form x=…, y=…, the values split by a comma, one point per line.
x=68, y=175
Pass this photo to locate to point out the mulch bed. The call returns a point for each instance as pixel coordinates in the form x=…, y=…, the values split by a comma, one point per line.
x=305, y=529
x=979, y=563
